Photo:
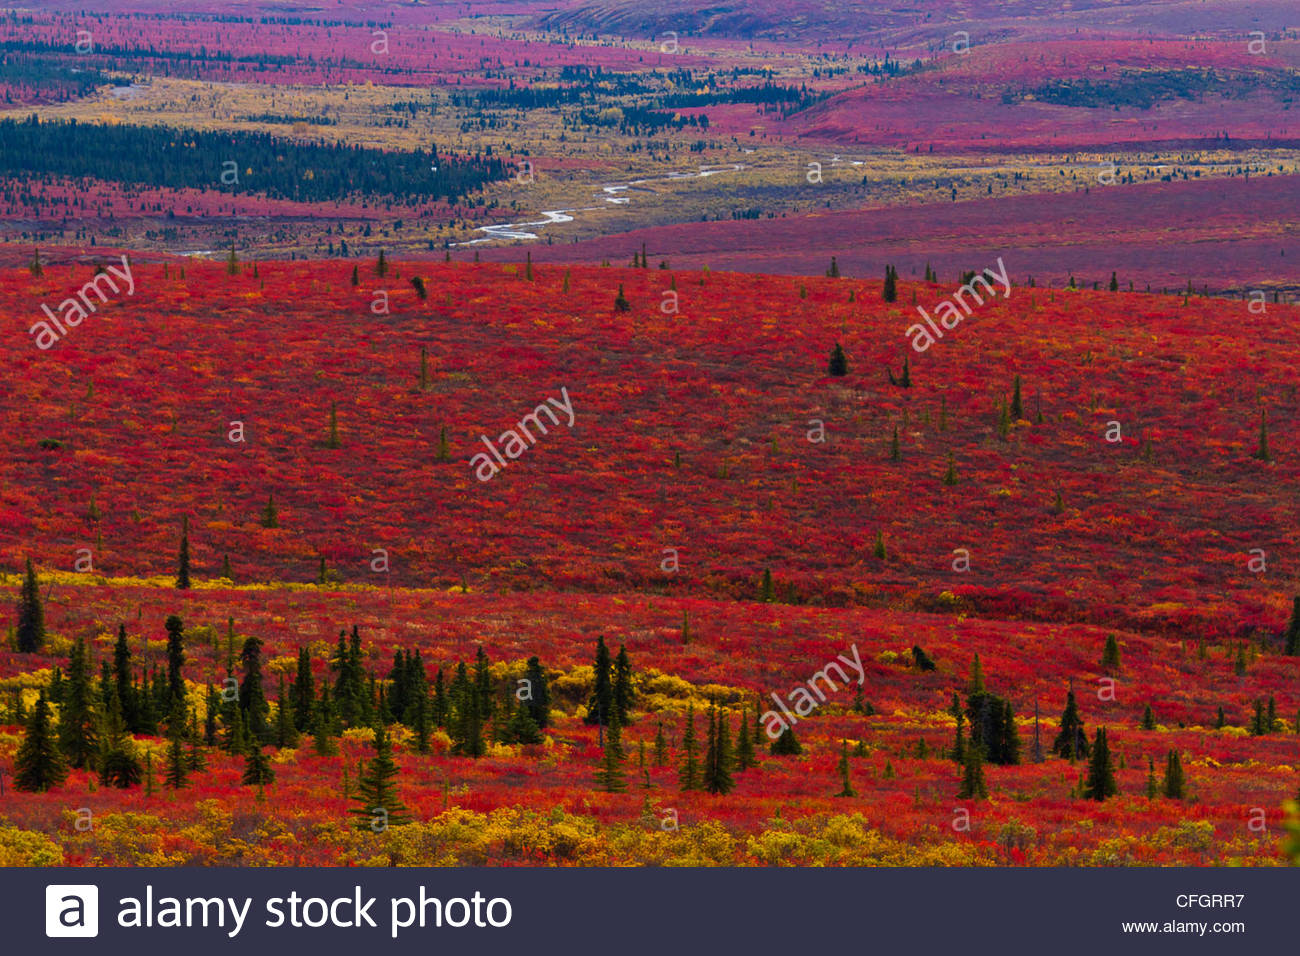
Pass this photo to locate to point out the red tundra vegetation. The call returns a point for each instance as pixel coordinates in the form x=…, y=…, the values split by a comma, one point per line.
x=1072, y=490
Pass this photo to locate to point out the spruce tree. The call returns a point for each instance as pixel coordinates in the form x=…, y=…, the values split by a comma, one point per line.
x=623, y=694
x=661, y=746
x=610, y=777
x=958, y=753
x=621, y=304
x=31, y=614
x=689, y=773
x=718, y=758
x=440, y=705
x=1262, y=452
x=839, y=362
x=400, y=684
x=175, y=662
x=416, y=688
x=348, y=679
x=257, y=768
x=176, y=771
x=786, y=745
x=38, y=765
x=119, y=766
x=502, y=726
x=252, y=697
x=950, y=474
x=210, y=707
x=236, y=741
x=1017, y=409
x=381, y=265
x=601, y=704
x=975, y=683
x=322, y=741
x=1101, y=776
x=895, y=453
x=1257, y=721
x=160, y=691
x=539, y=702
x=147, y=711
x=1009, y=741
x=270, y=516
x=745, y=758
x=483, y=684
x=467, y=723
x=522, y=728
x=377, y=796
x=993, y=727
x=1152, y=789
x=78, y=736
x=421, y=724
x=973, y=786
x=332, y=437
x=1110, y=660
x=286, y=734
x=232, y=262
x=890, y=291
x=1175, y=785
x=183, y=561
x=1292, y=635
x=195, y=761
x=846, y=785
x=1071, y=742
x=1148, y=719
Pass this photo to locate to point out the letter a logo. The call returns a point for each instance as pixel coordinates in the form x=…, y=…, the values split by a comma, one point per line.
x=71, y=910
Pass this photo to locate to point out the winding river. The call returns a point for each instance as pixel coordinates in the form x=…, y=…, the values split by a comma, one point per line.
x=613, y=195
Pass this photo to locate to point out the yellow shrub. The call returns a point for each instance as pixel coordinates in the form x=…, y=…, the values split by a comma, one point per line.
x=27, y=848
x=774, y=847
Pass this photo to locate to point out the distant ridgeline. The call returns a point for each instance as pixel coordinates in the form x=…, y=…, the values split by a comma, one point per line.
x=273, y=166
x=1142, y=89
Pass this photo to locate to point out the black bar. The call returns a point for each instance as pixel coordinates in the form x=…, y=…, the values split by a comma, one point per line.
x=677, y=912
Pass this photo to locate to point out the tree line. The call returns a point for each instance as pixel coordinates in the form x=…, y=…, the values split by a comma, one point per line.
x=160, y=156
